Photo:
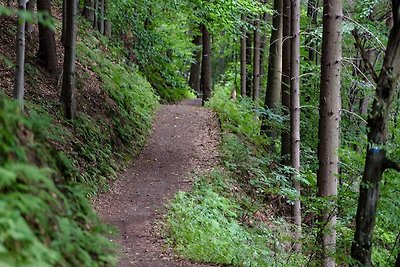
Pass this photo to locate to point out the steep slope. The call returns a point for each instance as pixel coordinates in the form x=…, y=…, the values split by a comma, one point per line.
x=48, y=166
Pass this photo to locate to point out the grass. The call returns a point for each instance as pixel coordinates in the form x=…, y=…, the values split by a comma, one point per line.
x=224, y=219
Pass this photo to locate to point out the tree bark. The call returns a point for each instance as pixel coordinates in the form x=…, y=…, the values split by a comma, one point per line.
x=256, y=62
x=273, y=93
x=329, y=119
x=286, y=57
x=88, y=10
x=107, y=22
x=312, y=13
x=30, y=6
x=100, y=20
x=243, y=62
x=195, y=67
x=376, y=162
x=249, y=52
x=263, y=44
x=95, y=14
x=19, y=72
x=206, y=64
x=47, y=53
x=68, y=84
x=295, y=116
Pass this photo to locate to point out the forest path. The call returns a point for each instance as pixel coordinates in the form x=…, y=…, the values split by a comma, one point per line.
x=184, y=140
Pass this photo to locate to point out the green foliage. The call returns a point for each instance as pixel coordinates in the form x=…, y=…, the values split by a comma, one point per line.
x=44, y=220
x=155, y=37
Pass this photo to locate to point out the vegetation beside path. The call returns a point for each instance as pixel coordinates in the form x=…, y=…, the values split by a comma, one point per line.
x=49, y=166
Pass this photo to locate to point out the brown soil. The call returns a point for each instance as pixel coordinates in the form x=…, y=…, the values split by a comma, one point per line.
x=184, y=140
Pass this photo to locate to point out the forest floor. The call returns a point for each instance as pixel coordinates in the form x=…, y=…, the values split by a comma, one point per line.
x=183, y=144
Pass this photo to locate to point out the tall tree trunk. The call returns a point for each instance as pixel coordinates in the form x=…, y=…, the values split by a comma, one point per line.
x=312, y=13
x=329, y=119
x=376, y=161
x=195, y=67
x=206, y=64
x=64, y=21
x=19, y=72
x=95, y=14
x=68, y=85
x=256, y=62
x=295, y=116
x=249, y=52
x=243, y=57
x=273, y=93
x=107, y=22
x=46, y=54
x=88, y=10
x=263, y=44
x=100, y=21
x=30, y=6
x=286, y=57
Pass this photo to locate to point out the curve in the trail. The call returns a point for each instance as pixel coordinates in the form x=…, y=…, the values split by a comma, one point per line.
x=184, y=139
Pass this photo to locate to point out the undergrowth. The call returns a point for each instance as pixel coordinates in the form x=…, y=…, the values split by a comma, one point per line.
x=49, y=166
x=228, y=218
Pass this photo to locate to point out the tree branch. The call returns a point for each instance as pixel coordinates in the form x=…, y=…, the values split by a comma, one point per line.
x=389, y=164
x=364, y=55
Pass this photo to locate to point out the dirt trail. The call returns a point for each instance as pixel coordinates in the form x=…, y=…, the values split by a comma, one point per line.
x=184, y=139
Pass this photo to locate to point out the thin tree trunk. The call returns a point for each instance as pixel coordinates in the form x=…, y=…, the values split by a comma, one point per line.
x=64, y=21
x=273, y=93
x=107, y=22
x=376, y=161
x=68, y=84
x=295, y=116
x=88, y=10
x=263, y=44
x=206, y=64
x=249, y=52
x=19, y=72
x=46, y=54
x=100, y=20
x=243, y=57
x=95, y=14
x=286, y=57
x=195, y=67
x=312, y=13
x=329, y=119
x=30, y=6
x=256, y=62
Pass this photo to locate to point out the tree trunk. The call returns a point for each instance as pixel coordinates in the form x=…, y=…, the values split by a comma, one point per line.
x=107, y=22
x=95, y=13
x=376, y=162
x=88, y=10
x=64, y=21
x=263, y=44
x=195, y=67
x=206, y=64
x=68, y=84
x=46, y=54
x=273, y=93
x=256, y=62
x=100, y=20
x=30, y=6
x=295, y=116
x=329, y=119
x=249, y=52
x=19, y=72
x=286, y=57
x=312, y=13
x=243, y=57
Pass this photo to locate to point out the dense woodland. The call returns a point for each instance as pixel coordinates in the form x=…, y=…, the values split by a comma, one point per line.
x=306, y=93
